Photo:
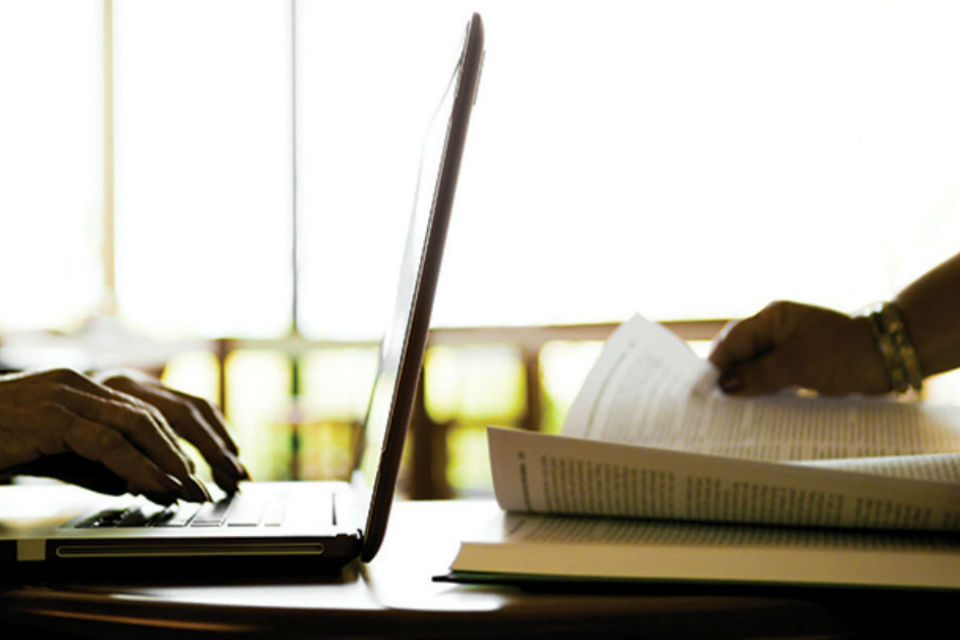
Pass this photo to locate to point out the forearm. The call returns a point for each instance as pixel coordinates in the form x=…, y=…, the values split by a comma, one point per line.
x=931, y=310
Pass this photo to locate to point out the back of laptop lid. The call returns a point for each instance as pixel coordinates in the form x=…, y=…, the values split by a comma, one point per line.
x=402, y=349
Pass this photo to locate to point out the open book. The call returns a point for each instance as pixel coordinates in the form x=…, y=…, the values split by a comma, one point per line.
x=660, y=476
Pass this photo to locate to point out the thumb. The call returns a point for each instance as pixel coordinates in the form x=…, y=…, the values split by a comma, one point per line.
x=764, y=374
x=75, y=469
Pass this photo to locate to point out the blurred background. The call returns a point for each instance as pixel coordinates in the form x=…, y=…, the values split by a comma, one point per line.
x=690, y=160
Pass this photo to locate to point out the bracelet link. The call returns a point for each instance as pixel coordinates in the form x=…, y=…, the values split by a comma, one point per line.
x=896, y=348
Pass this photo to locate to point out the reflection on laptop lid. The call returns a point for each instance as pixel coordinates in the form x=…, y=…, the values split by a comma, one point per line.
x=326, y=534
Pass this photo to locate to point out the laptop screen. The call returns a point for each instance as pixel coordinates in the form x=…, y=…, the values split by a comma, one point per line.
x=401, y=351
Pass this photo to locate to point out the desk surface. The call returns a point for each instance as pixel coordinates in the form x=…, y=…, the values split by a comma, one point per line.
x=394, y=596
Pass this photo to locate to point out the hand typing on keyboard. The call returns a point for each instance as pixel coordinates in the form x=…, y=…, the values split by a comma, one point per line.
x=114, y=434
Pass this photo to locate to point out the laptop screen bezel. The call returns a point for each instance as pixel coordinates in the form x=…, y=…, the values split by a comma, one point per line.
x=418, y=321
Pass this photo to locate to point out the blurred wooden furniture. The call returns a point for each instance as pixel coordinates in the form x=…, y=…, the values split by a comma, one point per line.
x=102, y=344
x=428, y=478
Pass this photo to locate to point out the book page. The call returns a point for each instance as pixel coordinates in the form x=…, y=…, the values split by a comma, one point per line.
x=939, y=467
x=543, y=546
x=642, y=380
x=649, y=388
x=539, y=473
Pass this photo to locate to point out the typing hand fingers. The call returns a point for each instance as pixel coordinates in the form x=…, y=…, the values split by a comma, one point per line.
x=110, y=448
x=48, y=439
x=143, y=427
x=59, y=411
x=193, y=418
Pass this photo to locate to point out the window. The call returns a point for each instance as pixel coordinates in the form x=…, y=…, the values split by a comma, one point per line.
x=624, y=156
x=689, y=159
x=203, y=167
x=51, y=162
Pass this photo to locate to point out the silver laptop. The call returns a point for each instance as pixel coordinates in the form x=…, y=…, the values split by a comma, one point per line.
x=315, y=525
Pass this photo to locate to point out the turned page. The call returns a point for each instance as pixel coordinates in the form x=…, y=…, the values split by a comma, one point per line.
x=647, y=387
x=540, y=473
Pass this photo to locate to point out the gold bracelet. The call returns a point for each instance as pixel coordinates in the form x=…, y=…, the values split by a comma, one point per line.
x=894, y=324
x=896, y=348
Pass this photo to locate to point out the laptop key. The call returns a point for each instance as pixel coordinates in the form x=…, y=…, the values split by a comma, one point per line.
x=274, y=514
x=246, y=512
x=100, y=519
x=177, y=515
x=212, y=514
x=133, y=517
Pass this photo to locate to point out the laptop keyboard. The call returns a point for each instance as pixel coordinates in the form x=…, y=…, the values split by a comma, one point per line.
x=238, y=510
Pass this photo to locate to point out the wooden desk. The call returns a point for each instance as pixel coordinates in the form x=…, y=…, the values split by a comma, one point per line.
x=394, y=597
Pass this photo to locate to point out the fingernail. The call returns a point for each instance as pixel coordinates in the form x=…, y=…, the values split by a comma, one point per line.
x=242, y=472
x=236, y=469
x=168, y=482
x=194, y=491
x=731, y=383
x=225, y=481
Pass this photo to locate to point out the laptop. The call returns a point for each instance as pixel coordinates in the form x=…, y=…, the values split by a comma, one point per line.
x=308, y=525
